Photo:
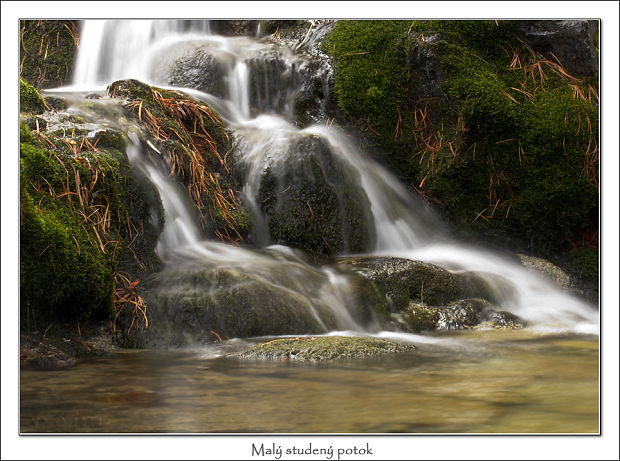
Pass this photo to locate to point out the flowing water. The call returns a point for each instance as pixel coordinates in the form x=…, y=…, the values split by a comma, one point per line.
x=491, y=381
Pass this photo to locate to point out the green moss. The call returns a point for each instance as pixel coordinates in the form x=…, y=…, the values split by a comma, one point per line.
x=186, y=142
x=25, y=133
x=313, y=349
x=516, y=148
x=68, y=261
x=420, y=317
x=29, y=98
x=62, y=275
x=110, y=139
x=47, y=51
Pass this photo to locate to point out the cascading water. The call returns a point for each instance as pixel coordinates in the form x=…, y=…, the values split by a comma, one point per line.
x=260, y=115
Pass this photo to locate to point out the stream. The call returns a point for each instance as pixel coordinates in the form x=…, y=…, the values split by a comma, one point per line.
x=474, y=382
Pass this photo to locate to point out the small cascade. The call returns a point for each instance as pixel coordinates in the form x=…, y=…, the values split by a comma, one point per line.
x=261, y=116
x=113, y=50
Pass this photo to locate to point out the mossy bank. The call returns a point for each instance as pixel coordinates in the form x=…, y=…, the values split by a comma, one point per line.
x=489, y=128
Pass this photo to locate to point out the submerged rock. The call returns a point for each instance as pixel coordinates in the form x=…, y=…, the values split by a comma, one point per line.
x=315, y=349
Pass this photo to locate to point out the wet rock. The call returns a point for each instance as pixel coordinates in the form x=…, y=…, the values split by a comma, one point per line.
x=571, y=41
x=200, y=70
x=194, y=304
x=315, y=349
x=427, y=72
x=61, y=344
x=313, y=203
x=548, y=270
x=404, y=280
x=459, y=315
x=39, y=354
x=501, y=319
x=234, y=27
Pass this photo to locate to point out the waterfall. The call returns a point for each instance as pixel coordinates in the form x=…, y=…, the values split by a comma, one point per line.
x=405, y=227
x=113, y=50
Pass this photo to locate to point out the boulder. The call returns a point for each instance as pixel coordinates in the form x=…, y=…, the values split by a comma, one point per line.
x=200, y=70
x=424, y=297
x=572, y=42
x=459, y=315
x=404, y=281
x=315, y=349
x=548, y=270
x=313, y=203
x=195, y=303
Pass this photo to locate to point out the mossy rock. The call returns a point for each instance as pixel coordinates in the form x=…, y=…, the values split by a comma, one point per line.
x=513, y=149
x=195, y=302
x=222, y=182
x=29, y=98
x=313, y=203
x=47, y=51
x=403, y=281
x=323, y=348
x=462, y=314
x=68, y=261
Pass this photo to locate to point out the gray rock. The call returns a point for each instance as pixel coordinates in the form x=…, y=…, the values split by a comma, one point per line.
x=571, y=41
x=548, y=270
x=200, y=70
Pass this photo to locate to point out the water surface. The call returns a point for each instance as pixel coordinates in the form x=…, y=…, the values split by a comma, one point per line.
x=472, y=382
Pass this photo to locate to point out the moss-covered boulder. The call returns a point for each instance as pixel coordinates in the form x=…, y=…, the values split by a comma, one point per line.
x=423, y=297
x=83, y=220
x=197, y=145
x=30, y=101
x=312, y=202
x=459, y=315
x=47, y=51
x=193, y=301
x=323, y=348
x=404, y=281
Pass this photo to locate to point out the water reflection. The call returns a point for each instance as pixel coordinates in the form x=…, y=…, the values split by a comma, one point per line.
x=485, y=382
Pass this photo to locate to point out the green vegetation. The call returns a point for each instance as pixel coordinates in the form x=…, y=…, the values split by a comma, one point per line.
x=29, y=98
x=47, y=51
x=85, y=229
x=501, y=139
x=198, y=145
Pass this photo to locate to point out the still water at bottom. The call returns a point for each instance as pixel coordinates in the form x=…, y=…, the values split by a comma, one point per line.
x=468, y=382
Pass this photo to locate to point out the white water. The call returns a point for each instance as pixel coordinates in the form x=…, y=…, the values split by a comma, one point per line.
x=405, y=228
